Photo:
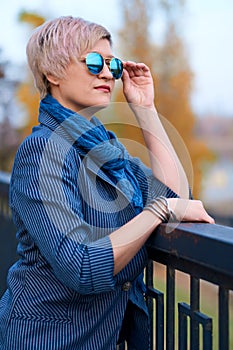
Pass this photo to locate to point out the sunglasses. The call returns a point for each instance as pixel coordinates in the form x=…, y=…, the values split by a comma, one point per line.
x=95, y=64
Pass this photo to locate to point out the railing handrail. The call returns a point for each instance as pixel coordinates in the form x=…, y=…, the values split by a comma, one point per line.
x=5, y=177
x=207, y=248
x=4, y=194
x=4, y=184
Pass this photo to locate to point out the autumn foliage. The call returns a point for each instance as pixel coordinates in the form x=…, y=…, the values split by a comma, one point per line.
x=27, y=93
x=173, y=80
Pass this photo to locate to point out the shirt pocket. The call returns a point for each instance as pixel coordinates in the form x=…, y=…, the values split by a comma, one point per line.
x=44, y=298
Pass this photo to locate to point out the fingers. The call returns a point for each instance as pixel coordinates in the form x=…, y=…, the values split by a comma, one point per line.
x=190, y=210
x=210, y=220
x=207, y=217
x=201, y=213
x=136, y=69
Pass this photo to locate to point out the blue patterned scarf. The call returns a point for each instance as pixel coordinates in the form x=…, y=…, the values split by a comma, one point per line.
x=92, y=139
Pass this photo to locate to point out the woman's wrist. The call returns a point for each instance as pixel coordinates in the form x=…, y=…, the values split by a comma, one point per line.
x=142, y=113
x=161, y=209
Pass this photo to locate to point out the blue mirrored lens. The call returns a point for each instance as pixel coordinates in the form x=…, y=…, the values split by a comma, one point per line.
x=94, y=62
x=116, y=68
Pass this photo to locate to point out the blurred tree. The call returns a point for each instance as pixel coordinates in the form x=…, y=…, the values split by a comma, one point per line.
x=172, y=75
x=9, y=141
x=27, y=93
x=9, y=137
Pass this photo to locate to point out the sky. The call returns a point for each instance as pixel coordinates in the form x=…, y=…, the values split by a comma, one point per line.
x=207, y=26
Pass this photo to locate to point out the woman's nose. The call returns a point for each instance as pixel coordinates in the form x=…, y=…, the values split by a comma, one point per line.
x=105, y=73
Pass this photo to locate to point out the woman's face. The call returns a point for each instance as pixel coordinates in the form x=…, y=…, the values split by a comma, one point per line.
x=80, y=89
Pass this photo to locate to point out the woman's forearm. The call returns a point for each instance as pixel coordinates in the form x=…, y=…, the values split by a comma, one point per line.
x=128, y=239
x=165, y=163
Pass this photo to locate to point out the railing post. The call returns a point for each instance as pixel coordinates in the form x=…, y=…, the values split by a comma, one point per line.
x=149, y=283
x=170, y=309
x=182, y=326
x=195, y=306
x=223, y=318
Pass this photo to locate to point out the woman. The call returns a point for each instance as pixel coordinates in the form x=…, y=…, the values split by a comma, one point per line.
x=82, y=205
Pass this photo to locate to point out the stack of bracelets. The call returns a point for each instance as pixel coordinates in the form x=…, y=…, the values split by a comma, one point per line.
x=160, y=207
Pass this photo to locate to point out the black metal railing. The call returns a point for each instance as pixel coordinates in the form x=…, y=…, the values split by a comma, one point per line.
x=8, y=241
x=4, y=194
x=195, y=252
x=203, y=252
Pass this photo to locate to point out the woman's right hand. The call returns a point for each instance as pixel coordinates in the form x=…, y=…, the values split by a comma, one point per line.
x=189, y=210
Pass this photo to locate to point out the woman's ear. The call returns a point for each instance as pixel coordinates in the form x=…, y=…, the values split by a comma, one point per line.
x=52, y=79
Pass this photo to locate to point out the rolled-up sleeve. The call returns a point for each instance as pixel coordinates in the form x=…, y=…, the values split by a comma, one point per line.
x=46, y=203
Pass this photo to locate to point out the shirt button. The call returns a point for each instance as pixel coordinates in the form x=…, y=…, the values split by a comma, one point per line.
x=126, y=286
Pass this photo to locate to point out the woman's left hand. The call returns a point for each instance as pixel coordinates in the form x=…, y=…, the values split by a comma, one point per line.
x=138, y=84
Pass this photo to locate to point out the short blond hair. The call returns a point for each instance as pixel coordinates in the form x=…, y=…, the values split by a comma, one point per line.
x=57, y=42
